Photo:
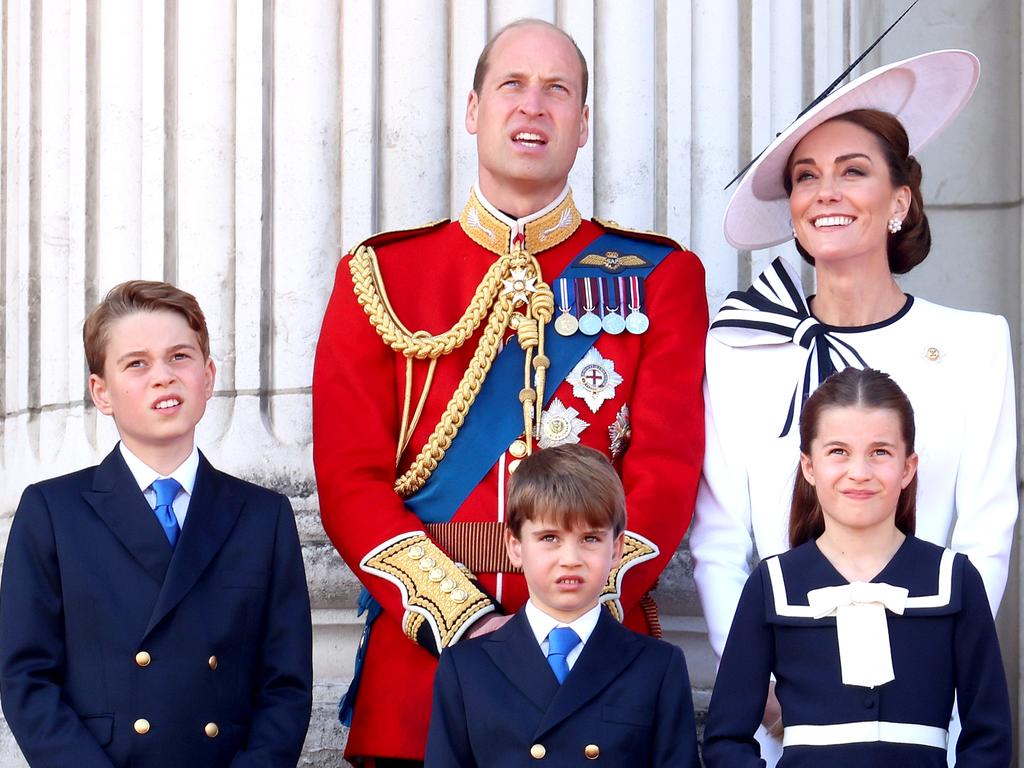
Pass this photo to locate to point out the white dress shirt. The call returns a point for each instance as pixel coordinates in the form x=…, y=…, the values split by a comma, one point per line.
x=542, y=624
x=185, y=474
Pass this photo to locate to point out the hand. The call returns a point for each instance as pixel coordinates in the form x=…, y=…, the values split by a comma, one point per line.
x=772, y=719
x=488, y=623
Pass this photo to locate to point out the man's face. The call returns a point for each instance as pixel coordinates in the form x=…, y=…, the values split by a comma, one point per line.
x=528, y=117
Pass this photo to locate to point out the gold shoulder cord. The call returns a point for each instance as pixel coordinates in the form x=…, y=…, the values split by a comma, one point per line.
x=513, y=280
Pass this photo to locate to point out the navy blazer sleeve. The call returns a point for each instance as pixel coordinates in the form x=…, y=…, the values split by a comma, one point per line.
x=675, y=742
x=741, y=688
x=448, y=737
x=32, y=654
x=982, y=697
x=282, y=709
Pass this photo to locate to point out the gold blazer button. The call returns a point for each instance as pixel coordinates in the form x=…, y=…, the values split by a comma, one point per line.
x=211, y=730
x=592, y=751
x=212, y=662
x=143, y=659
x=141, y=726
x=537, y=751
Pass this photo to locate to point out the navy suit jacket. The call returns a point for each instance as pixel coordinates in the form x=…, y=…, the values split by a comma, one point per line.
x=496, y=698
x=102, y=625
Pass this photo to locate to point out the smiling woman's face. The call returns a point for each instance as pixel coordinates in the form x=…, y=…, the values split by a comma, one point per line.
x=842, y=194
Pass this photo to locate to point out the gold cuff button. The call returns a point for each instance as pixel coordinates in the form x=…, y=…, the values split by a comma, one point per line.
x=518, y=449
x=537, y=751
x=143, y=659
x=436, y=575
x=212, y=662
x=415, y=552
x=211, y=730
x=427, y=564
x=592, y=751
x=141, y=726
x=447, y=585
x=459, y=596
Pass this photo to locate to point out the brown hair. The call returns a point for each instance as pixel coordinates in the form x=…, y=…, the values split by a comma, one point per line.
x=484, y=62
x=572, y=485
x=910, y=246
x=850, y=388
x=138, y=296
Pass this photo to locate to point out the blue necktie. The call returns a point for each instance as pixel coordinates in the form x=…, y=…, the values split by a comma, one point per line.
x=561, y=640
x=166, y=490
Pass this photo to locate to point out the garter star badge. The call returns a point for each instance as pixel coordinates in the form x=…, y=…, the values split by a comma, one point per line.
x=560, y=425
x=594, y=379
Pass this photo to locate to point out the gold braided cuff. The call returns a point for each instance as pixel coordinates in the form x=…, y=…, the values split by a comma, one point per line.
x=441, y=598
x=635, y=550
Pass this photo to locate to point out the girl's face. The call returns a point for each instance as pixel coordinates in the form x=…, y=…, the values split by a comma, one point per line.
x=858, y=465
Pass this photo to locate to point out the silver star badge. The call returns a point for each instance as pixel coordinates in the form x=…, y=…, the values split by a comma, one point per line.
x=620, y=432
x=594, y=379
x=519, y=285
x=560, y=425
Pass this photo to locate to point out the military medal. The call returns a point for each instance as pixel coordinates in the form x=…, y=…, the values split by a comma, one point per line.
x=636, y=322
x=594, y=379
x=560, y=425
x=613, y=322
x=566, y=323
x=590, y=323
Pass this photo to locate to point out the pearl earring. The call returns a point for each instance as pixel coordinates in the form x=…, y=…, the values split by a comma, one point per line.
x=895, y=225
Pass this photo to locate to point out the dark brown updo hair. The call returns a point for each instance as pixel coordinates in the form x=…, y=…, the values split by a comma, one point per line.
x=850, y=388
x=908, y=247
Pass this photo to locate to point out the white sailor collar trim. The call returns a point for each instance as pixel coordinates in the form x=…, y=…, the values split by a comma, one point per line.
x=785, y=609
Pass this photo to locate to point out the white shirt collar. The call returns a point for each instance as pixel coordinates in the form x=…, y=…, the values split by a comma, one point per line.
x=518, y=225
x=541, y=623
x=144, y=474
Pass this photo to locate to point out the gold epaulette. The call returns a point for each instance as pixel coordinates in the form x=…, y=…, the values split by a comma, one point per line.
x=441, y=597
x=394, y=235
x=640, y=234
x=636, y=549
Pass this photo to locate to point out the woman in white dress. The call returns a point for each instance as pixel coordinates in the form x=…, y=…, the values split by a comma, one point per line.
x=842, y=181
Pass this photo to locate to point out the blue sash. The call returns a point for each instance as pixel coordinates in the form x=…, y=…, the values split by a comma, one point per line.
x=495, y=419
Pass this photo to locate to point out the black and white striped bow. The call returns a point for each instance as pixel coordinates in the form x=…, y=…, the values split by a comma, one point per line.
x=773, y=311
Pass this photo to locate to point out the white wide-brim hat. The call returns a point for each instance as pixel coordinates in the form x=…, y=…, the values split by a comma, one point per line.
x=925, y=92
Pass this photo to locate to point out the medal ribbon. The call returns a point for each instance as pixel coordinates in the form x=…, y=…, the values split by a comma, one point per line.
x=635, y=294
x=566, y=297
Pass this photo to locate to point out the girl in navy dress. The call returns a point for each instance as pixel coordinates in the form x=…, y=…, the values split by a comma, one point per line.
x=868, y=631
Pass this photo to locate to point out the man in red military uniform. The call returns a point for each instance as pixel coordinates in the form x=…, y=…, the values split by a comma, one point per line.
x=449, y=352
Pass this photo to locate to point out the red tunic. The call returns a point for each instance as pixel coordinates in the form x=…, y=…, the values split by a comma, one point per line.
x=358, y=389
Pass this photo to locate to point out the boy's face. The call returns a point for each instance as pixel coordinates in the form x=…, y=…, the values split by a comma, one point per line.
x=565, y=569
x=155, y=383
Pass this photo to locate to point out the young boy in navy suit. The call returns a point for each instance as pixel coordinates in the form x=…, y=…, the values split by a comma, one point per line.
x=154, y=611
x=562, y=681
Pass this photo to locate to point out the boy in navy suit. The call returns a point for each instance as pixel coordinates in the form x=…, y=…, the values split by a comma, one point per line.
x=562, y=680
x=154, y=611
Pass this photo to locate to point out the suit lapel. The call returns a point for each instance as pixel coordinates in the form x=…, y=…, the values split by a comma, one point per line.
x=514, y=650
x=116, y=498
x=610, y=649
x=212, y=513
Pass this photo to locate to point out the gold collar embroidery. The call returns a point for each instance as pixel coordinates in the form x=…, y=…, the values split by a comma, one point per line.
x=495, y=234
